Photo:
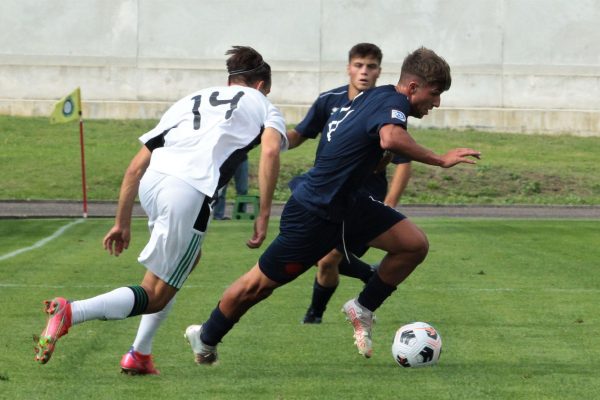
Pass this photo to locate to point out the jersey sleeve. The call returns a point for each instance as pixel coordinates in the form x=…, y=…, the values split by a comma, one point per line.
x=276, y=121
x=394, y=110
x=314, y=121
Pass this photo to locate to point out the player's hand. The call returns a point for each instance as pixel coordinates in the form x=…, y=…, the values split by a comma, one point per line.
x=460, y=155
x=260, y=232
x=116, y=240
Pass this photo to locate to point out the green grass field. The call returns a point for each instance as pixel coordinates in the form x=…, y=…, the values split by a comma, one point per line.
x=42, y=161
x=516, y=303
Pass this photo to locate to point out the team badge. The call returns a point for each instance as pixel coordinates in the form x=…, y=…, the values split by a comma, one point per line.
x=398, y=115
x=68, y=107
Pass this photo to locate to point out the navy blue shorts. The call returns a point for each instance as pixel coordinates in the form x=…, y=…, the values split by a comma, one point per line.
x=305, y=238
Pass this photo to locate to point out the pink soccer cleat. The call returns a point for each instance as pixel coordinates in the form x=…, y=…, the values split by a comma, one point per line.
x=59, y=322
x=134, y=363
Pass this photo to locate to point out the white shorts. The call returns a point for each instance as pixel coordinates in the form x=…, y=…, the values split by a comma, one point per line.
x=178, y=216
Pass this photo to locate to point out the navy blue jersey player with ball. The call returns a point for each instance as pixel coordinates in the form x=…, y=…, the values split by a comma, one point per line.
x=364, y=68
x=326, y=206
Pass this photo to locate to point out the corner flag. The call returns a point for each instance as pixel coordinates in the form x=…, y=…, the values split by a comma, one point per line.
x=67, y=109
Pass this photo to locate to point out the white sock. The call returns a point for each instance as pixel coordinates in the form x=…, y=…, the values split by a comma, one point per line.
x=112, y=305
x=148, y=327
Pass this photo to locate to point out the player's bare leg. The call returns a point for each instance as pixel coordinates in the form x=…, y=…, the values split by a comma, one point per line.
x=406, y=246
x=250, y=289
x=138, y=360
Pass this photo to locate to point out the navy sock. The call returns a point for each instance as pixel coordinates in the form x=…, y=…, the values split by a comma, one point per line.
x=216, y=327
x=356, y=268
x=374, y=293
x=140, y=300
x=320, y=298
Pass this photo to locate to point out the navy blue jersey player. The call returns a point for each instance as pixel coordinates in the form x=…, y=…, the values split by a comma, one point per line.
x=326, y=207
x=349, y=152
x=364, y=67
x=315, y=122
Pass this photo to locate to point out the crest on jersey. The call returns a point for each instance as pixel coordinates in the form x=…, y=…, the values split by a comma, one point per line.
x=397, y=114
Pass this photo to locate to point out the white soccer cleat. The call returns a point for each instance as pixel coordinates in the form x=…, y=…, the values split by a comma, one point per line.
x=362, y=321
x=204, y=354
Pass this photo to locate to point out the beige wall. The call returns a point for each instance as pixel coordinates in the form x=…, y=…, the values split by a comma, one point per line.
x=518, y=65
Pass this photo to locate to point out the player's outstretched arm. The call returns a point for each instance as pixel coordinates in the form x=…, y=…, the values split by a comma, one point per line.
x=118, y=237
x=268, y=172
x=398, y=140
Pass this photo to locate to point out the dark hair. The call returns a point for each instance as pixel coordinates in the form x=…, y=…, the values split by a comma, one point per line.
x=430, y=67
x=365, y=50
x=247, y=65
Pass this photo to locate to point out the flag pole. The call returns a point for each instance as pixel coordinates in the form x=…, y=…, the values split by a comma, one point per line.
x=64, y=111
x=83, y=184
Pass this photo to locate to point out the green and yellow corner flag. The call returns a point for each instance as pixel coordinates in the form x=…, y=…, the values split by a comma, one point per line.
x=67, y=109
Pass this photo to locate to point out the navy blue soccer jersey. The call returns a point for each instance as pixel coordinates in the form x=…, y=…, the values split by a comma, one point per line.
x=315, y=122
x=348, y=151
x=377, y=184
x=318, y=114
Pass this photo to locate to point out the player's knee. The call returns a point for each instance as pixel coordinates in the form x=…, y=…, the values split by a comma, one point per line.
x=158, y=299
x=422, y=248
x=162, y=302
x=157, y=304
x=417, y=245
x=255, y=286
x=327, y=269
x=254, y=292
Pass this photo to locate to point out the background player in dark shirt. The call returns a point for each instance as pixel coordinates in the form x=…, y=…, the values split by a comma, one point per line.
x=326, y=205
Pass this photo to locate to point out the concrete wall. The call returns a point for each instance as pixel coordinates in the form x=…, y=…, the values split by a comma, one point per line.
x=518, y=65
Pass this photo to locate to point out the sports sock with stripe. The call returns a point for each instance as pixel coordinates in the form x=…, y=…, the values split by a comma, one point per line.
x=117, y=304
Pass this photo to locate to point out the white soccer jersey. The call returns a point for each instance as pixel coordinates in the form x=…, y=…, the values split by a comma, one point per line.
x=199, y=133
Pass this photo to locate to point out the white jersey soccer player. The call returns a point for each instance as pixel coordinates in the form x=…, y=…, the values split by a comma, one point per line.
x=196, y=147
x=202, y=124
x=183, y=161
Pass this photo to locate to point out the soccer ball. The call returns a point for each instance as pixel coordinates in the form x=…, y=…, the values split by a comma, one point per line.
x=417, y=344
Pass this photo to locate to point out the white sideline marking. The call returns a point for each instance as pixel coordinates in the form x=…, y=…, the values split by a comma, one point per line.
x=42, y=242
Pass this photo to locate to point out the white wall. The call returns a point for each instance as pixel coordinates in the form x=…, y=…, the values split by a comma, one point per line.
x=518, y=65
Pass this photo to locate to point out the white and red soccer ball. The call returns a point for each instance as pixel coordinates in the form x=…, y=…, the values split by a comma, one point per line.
x=417, y=344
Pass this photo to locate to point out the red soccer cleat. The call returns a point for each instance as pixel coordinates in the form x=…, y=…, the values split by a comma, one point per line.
x=134, y=363
x=59, y=322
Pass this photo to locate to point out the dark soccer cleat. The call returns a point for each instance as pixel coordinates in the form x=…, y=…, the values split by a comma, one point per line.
x=311, y=317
